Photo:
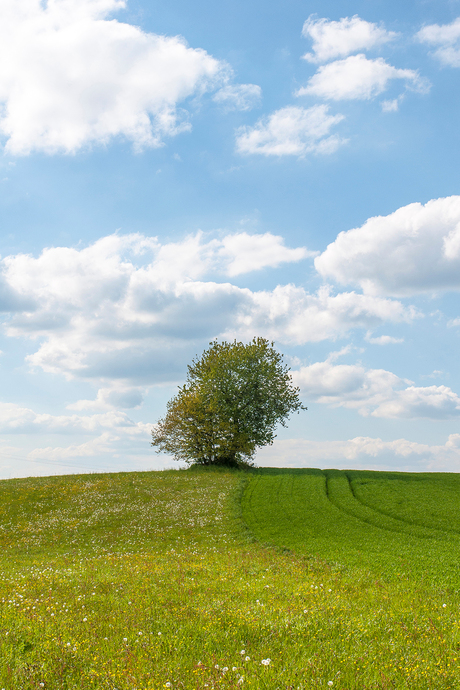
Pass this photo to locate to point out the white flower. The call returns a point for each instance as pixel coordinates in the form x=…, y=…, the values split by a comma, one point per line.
x=139, y=633
x=247, y=658
x=125, y=639
x=330, y=683
x=217, y=666
x=265, y=662
x=159, y=633
x=444, y=606
x=234, y=668
x=84, y=619
x=168, y=685
x=240, y=681
x=225, y=669
x=242, y=652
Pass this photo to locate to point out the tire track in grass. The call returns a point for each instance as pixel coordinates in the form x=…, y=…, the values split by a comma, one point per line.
x=388, y=513
x=340, y=493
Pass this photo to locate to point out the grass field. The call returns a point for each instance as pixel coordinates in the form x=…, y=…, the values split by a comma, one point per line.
x=272, y=579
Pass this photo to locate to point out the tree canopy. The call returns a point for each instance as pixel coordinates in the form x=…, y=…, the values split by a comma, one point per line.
x=234, y=396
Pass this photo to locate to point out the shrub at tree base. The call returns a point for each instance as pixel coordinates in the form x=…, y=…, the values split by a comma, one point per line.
x=233, y=398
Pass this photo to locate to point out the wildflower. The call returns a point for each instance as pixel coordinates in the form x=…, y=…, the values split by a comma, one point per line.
x=330, y=683
x=84, y=619
x=265, y=662
x=234, y=668
x=139, y=633
x=444, y=606
x=125, y=639
x=168, y=685
x=225, y=669
x=159, y=633
x=247, y=658
x=242, y=652
x=240, y=681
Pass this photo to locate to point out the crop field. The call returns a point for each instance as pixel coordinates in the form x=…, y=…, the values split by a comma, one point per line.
x=273, y=579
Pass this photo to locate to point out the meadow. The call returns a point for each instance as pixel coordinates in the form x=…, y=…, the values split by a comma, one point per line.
x=273, y=579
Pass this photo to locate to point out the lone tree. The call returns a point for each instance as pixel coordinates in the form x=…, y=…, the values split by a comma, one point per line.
x=234, y=396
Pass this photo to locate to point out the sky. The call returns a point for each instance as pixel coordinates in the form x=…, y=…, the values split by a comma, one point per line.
x=173, y=173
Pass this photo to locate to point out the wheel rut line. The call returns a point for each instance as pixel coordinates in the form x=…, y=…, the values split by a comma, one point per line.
x=442, y=530
x=368, y=521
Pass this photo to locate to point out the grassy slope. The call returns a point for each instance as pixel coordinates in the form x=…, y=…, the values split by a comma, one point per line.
x=93, y=568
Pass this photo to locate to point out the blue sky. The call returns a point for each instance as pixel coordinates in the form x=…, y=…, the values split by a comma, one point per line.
x=173, y=173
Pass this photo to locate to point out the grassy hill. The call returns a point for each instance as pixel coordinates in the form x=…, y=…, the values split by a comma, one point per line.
x=288, y=579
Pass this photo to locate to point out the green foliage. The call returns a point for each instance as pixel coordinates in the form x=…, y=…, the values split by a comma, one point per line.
x=234, y=397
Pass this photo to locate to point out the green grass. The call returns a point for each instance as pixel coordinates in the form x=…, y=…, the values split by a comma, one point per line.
x=134, y=581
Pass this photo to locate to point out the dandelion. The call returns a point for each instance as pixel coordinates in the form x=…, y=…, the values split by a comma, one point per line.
x=225, y=669
x=240, y=681
x=265, y=662
x=247, y=658
x=234, y=668
x=242, y=652
x=330, y=683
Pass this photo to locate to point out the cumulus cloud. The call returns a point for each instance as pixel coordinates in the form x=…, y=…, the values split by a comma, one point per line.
x=238, y=96
x=414, y=250
x=243, y=253
x=291, y=131
x=332, y=39
x=127, y=311
x=374, y=392
x=357, y=77
x=445, y=38
x=71, y=76
x=364, y=452
x=289, y=314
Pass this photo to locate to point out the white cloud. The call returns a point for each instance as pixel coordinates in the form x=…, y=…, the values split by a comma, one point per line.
x=238, y=96
x=416, y=249
x=383, y=339
x=70, y=76
x=244, y=253
x=392, y=106
x=446, y=39
x=127, y=312
x=374, y=392
x=16, y=419
x=363, y=452
x=356, y=77
x=289, y=314
x=332, y=39
x=291, y=131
